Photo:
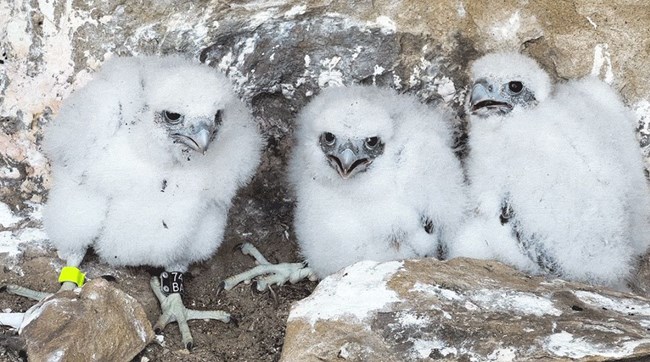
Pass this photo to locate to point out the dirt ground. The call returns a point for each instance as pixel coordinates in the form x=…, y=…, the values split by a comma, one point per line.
x=261, y=214
x=259, y=336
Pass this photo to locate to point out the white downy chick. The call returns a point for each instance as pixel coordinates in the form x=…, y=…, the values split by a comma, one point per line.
x=557, y=175
x=375, y=178
x=146, y=159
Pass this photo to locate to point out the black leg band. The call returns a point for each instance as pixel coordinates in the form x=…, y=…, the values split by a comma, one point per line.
x=171, y=282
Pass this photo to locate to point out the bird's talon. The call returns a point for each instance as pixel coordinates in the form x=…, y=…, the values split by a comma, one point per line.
x=276, y=303
x=3, y=289
x=234, y=321
x=109, y=278
x=255, y=289
x=237, y=247
x=189, y=346
x=221, y=287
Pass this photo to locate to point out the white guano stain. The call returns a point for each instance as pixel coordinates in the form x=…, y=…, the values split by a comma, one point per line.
x=296, y=10
x=460, y=10
x=513, y=301
x=437, y=290
x=508, y=30
x=248, y=47
x=13, y=320
x=357, y=50
x=7, y=217
x=378, y=70
x=445, y=87
x=423, y=348
x=563, y=344
x=619, y=305
x=602, y=66
x=410, y=319
x=28, y=94
x=592, y=22
x=503, y=355
x=385, y=24
x=354, y=292
x=330, y=76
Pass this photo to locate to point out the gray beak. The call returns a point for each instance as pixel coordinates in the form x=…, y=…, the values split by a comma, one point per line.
x=486, y=99
x=349, y=160
x=198, y=138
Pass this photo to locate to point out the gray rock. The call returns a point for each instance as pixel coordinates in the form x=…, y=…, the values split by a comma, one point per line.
x=462, y=309
x=99, y=323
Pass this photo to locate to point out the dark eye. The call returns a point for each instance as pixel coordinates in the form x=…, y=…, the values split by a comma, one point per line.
x=172, y=117
x=218, y=116
x=328, y=138
x=515, y=86
x=371, y=142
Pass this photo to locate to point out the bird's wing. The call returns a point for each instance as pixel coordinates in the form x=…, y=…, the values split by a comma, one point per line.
x=613, y=125
x=75, y=140
x=566, y=192
x=427, y=169
x=598, y=116
x=91, y=115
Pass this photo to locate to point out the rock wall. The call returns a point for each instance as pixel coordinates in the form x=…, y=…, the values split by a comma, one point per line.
x=279, y=53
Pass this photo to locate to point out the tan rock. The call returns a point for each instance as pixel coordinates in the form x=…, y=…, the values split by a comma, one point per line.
x=462, y=309
x=100, y=323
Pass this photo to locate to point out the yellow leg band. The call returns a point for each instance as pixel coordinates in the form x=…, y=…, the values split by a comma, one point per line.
x=72, y=274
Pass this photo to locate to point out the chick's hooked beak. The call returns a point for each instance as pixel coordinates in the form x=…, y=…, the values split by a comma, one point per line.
x=487, y=99
x=349, y=160
x=197, y=137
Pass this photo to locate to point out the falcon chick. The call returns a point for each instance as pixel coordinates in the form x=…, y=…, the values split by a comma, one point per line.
x=557, y=175
x=146, y=159
x=375, y=178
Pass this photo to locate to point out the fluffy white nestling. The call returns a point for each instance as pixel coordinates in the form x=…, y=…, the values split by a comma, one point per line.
x=146, y=159
x=556, y=174
x=127, y=177
x=375, y=178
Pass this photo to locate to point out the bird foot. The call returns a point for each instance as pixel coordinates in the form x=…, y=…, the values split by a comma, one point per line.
x=34, y=294
x=173, y=310
x=267, y=274
x=25, y=292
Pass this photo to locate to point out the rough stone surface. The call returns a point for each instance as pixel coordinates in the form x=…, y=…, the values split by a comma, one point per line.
x=462, y=309
x=278, y=54
x=100, y=323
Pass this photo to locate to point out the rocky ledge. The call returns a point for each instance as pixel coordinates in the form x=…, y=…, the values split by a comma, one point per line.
x=466, y=310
